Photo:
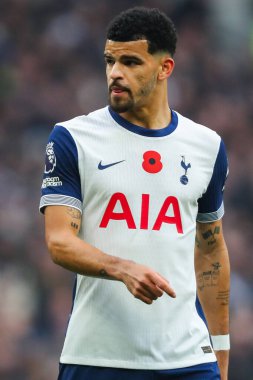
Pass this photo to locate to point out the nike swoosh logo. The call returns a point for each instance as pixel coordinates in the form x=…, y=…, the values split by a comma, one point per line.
x=102, y=167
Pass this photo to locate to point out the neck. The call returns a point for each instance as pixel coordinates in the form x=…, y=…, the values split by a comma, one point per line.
x=155, y=114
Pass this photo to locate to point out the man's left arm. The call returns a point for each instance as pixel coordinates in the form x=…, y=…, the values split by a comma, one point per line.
x=213, y=284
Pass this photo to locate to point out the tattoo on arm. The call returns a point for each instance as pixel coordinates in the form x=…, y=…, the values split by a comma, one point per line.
x=74, y=225
x=223, y=297
x=209, y=235
x=209, y=278
x=103, y=273
x=197, y=242
x=74, y=213
x=76, y=216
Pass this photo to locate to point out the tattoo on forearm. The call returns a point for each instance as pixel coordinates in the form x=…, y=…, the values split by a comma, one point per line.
x=223, y=297
x=197, y=242
x=103, y=273
x=209, y=235
x=74, y=225
x=209, y=278
x=74, y=213
x=216, y=266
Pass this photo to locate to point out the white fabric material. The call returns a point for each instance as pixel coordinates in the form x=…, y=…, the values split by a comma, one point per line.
x=57, y=199
x=220, y=342
x=108, y=326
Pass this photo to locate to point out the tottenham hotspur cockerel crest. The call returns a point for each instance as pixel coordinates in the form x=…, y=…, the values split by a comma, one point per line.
x=50, y=158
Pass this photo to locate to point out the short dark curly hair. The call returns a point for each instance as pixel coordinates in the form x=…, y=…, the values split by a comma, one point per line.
x=144, y=23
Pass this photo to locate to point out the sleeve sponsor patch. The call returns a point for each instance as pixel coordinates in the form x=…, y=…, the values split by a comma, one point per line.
x=51, y=181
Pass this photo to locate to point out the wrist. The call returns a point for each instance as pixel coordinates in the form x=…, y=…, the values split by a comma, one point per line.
x=117, y=268
x=123, y=268
x=110, y=267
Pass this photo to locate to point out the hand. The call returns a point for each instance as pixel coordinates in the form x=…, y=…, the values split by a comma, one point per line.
x=144, y=283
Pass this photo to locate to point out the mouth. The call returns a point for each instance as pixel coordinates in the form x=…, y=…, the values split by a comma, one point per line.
x=118, y=90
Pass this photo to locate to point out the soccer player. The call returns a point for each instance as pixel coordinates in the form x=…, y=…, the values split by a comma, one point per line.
x=133, y=200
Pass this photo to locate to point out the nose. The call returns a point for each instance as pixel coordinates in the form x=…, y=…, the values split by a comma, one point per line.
x=115, y=71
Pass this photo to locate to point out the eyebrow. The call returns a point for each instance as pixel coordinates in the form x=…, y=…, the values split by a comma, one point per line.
x=125, y=56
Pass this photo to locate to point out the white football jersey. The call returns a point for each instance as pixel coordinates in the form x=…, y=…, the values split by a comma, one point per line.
x=140, y=193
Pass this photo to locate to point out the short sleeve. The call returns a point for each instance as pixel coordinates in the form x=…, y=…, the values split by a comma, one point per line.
x=210, y=205
x=61, y=180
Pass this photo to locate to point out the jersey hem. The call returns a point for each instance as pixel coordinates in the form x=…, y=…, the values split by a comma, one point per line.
x=59, y=200
x=211, y=216
x=210, y=358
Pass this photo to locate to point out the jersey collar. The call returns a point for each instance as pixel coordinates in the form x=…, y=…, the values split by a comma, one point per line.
x=144, y=131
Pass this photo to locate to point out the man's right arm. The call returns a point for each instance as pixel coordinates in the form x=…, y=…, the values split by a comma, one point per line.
x=62, y=224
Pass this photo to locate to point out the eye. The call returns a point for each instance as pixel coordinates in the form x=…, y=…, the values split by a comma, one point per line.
x=131, y=62
x=109, y=61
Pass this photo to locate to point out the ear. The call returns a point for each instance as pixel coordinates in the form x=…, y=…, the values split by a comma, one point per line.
x=166, y=67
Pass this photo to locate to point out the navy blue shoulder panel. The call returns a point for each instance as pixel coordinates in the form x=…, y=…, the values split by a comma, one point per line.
x=61, y=174
x=212, y=199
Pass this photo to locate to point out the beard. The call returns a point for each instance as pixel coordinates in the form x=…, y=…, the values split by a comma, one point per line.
x=126, y=104
x=121, y=105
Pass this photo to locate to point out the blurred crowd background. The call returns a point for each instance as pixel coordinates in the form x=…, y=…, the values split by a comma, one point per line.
x=52, y=69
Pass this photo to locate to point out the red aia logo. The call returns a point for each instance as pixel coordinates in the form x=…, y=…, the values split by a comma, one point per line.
x=126, y=214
